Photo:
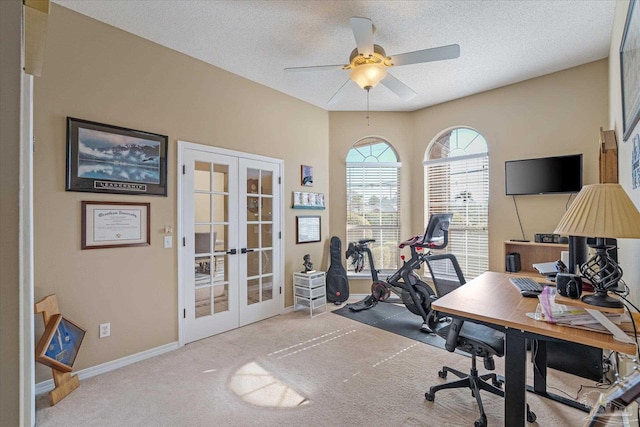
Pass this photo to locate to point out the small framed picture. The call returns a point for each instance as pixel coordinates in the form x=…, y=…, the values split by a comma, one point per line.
x=115, y=224
x=59, y=345
x=308, y=229
x=307, y=175
x=111, y=159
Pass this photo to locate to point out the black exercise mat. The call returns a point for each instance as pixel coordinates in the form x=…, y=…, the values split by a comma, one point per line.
x=393, y=318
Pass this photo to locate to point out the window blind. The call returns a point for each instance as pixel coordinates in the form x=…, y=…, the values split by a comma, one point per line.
x=373, y=210
x=461, y=186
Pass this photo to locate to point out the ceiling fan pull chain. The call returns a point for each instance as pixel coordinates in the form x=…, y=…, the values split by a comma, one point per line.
x=368, y=106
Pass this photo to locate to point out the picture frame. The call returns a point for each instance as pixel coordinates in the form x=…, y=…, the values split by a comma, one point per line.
x=629, y=66
x=308, y=228
x=111, y=159
x=306, y=200
x=306, y=175
x=59, y=345
x=115, y=224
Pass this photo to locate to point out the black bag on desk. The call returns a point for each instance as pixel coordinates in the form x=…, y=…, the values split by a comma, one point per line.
x=569, y=285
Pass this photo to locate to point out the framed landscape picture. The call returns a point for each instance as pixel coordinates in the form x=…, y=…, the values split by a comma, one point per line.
x=110, y=159
x=629, y=66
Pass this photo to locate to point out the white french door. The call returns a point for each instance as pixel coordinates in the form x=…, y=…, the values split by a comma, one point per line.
x=230, y=255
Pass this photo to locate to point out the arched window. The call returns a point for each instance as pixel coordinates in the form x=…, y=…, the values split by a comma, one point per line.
x=373, y=199
x=456, y=172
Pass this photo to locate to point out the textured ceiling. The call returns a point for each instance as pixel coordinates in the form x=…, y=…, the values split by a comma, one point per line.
x=501, y=42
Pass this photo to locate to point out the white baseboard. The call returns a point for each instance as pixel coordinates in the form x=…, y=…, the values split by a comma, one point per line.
x=46, y=386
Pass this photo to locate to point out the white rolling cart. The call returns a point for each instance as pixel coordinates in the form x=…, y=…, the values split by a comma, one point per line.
x=309, y=291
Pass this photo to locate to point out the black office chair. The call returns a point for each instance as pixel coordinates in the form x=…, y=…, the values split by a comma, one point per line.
x=472, y=338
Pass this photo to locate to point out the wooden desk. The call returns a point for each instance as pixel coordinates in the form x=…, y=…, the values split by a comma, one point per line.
x=492, y=299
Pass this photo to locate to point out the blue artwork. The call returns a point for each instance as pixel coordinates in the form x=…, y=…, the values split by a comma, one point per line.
x=65, y=343
x=114, y=157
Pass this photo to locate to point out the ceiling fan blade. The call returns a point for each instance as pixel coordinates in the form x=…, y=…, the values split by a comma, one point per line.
x=397, y=87
x=363, y=32
x=451, y=51
x=339, y=93
x=316, y=68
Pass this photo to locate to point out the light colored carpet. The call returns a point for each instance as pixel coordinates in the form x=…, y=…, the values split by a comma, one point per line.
x=322, y=371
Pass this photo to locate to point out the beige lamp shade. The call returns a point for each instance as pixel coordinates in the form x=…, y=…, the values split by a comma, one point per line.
x=367, y=76
x=601, y=210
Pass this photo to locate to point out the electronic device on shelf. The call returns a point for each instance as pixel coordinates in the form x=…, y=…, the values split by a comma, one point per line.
x=526, y=284
x=562, y=174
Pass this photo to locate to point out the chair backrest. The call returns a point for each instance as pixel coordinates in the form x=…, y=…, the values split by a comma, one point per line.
x=445, y=273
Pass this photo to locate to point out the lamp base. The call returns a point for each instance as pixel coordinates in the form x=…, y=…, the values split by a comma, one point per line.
x=601, y=299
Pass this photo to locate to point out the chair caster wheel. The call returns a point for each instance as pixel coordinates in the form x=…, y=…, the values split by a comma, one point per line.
x=442, y=374
x=497, y=383
x=480, y=422
x=429, y=396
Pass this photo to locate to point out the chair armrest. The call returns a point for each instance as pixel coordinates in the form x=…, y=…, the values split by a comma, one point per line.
x=454, y=333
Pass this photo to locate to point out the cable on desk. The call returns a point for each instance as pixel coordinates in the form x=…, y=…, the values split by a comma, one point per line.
x=518, y=215
x=598, y=385
x=633, y=322
x=566, y=206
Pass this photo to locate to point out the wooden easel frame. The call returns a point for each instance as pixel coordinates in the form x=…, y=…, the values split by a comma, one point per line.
x=64, y=381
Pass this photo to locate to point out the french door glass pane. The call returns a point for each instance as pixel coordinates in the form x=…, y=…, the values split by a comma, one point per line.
x=266, y=186
x=266, y=209
x=253, y=291
x=202, y=207
x=202, y=176
x=267, y=236
x=203, y=301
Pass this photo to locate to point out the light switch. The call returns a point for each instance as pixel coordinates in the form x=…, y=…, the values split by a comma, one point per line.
x=168, y=242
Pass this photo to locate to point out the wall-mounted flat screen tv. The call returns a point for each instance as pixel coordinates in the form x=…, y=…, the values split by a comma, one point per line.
x=546, y=175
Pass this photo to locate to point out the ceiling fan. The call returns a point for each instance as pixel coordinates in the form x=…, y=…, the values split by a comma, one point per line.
x=368, y=62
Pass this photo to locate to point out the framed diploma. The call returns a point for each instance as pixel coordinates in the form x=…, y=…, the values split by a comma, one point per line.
x=115, y=224
x=60, y=343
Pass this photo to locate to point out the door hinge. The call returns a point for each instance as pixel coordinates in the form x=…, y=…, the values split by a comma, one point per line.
x=279, y=180
x=184, y=241
x=280, y=290
x=184, y=313
x=184, y=169
x=279, y=234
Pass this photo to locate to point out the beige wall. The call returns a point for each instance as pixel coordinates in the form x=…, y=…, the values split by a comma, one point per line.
x=556, y=114
x=95, y=72
x=10, y=83
x=629, y=252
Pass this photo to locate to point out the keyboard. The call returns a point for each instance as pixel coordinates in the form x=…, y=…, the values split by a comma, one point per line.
x=526, y=284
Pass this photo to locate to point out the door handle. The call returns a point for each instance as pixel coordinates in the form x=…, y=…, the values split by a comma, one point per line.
x=245, y=250
x=232, y=252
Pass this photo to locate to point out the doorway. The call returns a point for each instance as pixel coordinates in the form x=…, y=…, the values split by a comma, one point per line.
x=230, y=267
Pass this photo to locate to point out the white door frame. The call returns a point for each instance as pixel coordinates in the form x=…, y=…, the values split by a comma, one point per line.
x=185, y=145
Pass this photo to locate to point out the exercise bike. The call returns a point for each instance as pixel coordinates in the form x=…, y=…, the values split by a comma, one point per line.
x=405, y=282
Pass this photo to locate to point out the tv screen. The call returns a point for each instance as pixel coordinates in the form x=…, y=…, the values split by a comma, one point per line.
x=546, y=175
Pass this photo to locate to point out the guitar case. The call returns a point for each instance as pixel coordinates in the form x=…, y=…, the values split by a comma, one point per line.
x=337, y=282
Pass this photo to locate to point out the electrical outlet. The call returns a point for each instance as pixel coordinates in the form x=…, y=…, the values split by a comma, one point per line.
x=105, y=330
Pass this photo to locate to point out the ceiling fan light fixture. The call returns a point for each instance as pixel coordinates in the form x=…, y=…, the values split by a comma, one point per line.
x=367, y=76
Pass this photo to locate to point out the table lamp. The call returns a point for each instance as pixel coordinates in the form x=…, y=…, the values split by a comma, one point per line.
x=601, y=211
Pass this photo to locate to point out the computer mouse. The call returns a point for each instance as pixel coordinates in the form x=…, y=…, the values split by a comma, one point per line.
x=529, y=294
